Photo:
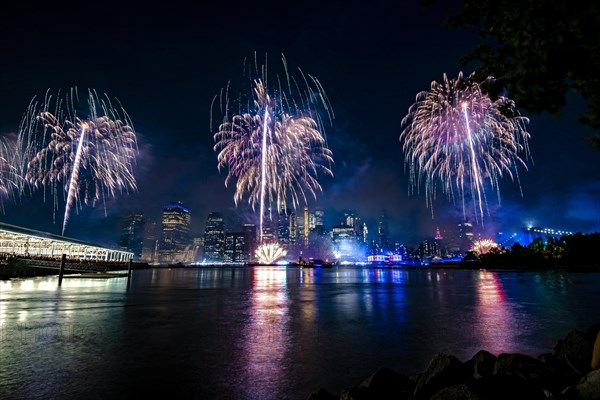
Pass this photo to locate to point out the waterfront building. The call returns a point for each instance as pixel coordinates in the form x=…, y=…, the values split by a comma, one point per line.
x=293, y=228
x=24, y=242
x=283, y=226
x=235, y=247
x=383, y=234
x=150, y=243
x=176, y=221
x=214, y=237
x=250, y=241
x=306, y=227
x=132, y=235
x=319, y=219
x=364, y=234
x=344, y=242
x=428, y=249
x=465, y=235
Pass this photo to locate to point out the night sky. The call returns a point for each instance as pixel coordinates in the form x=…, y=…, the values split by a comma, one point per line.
x=165, y=64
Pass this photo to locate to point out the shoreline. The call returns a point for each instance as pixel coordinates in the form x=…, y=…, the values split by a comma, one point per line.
x=24, y=271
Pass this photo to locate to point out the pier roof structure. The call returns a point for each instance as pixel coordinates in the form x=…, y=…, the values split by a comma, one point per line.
x=19, y=241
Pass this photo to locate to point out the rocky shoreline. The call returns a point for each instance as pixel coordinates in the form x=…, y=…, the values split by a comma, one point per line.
x=564, y=374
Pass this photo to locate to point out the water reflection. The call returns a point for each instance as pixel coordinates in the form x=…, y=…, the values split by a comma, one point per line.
x=495, y=322
x=270, y=332
x=266, y=336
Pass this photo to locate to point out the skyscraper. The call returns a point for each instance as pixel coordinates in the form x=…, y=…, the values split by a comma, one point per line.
x=176, y=221
x=235, y=247
x=383, y=232
x=250, y=241
x=283, y=226
x=150, y=243
x=306, y=226
x=214, y=238
x=293, y=228
x=132, y=235
x=344, y=242
x=465, y=235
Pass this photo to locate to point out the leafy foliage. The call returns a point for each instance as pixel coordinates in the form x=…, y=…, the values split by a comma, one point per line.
x=537, y=51
x=578, y=250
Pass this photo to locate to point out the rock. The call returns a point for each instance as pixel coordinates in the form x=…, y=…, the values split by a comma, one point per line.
x=576, y=351
x=519, y=364
x=382, y=384
x=482, y=364
x=554, y=375
x=588, y=387
x=547, y=358
x=501, y=387
x=443, y=371
x=456, y=392
x=322, y=394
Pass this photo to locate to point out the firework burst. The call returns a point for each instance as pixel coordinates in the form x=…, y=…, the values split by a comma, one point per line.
x=268, y=253
x=15, y=152
x=272, y=141
x=8, y=177
x=484, y=246
x=87, y=157
x=456, y=135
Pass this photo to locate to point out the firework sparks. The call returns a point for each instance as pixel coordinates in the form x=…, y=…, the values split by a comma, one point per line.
x=15, y=152
x=268, y=253
x=457, y=135
x=276, y=149
x=87, y=157
x=7, y=172
x=484, y=246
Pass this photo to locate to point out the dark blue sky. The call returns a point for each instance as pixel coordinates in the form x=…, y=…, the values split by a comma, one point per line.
x=165, y=63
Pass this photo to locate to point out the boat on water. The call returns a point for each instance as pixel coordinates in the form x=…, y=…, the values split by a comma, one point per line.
x=315, y=263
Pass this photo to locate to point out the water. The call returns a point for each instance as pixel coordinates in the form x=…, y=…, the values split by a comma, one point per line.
x=270, y=332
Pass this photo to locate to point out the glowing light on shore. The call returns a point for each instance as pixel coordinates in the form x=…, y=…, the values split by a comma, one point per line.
x=454, y=136
x=269, y=253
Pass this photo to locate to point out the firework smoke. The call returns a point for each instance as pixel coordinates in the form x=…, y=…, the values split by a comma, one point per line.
x=86, y=157
x=456, y=135
x=272, y=142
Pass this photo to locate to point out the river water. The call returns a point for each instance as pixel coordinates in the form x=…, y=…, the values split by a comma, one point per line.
x=270, y=332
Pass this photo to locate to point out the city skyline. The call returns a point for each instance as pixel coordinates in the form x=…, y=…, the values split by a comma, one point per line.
x=167, y=85
x=303, y=236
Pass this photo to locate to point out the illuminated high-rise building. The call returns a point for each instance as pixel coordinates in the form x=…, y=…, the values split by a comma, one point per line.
x=348, y=219
x=250, y=241
x=283, y=226
x=176, y=221
x=465, y=235
x=132, y=235
x=214, y=237
x=293, y=227
x=364, y=234
x=235, y=247
x=344, y=242
x=319, y=218
x=383, y=232
x=150, y=244
x=306, y=226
